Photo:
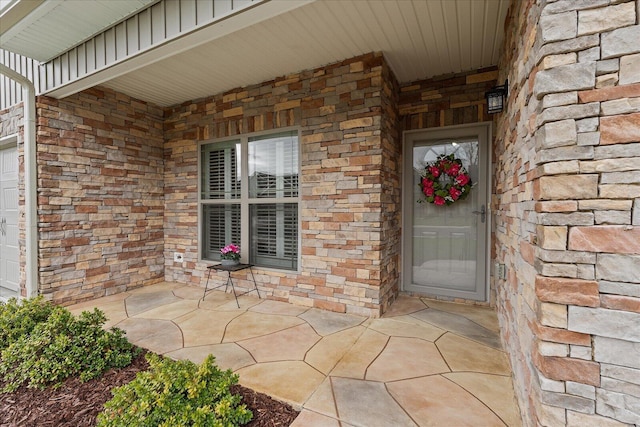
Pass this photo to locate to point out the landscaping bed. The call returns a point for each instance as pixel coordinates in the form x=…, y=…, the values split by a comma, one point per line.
x=60, y=370
x=76, y=403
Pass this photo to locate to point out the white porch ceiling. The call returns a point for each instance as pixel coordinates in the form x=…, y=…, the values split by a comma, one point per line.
x=419, y=38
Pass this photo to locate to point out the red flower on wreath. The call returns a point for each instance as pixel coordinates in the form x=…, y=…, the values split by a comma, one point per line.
x=454, y=169
x=462, y=179
x=454, y=193
x=445, y=181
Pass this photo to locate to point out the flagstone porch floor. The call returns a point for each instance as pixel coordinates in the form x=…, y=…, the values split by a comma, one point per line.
x=425, y=363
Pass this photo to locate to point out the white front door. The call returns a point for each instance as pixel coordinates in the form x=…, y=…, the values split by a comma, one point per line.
x=9, y=248
x=445, y=246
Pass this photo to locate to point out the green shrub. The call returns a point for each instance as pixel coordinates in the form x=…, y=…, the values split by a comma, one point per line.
x=18, y=318
x=176, y=393
x=62, y=346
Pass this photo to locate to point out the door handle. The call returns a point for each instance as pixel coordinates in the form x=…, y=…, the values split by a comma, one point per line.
x=482, y=212
x=2, y=223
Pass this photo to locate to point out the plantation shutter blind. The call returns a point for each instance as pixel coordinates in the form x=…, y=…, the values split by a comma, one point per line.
x=275, y=234
x=221, y=179
x=222, y=226
x=290, y=231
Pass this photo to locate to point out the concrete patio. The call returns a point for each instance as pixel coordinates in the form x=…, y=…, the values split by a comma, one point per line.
x=425, y=363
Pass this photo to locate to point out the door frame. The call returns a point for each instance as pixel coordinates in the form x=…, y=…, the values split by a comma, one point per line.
x=484, y=129
x=8, y=142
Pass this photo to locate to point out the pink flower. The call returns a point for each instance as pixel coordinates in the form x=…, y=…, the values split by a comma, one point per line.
x=231, y=248
x=427, y=183
x=454, y=169
x=230, y=251
x=454, y=193
x=428, y=191
x=434, y=171
x=439, y=201
x=462, y=179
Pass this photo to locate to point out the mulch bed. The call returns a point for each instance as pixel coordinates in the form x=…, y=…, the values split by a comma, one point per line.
x=76, y=404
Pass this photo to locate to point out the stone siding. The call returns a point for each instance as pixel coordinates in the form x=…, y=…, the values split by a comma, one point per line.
x=11, y=122
x=517, y=235
x=448, y=100
x=391, y=190
x=349, y=155
x=566, y=200
x=101, y=197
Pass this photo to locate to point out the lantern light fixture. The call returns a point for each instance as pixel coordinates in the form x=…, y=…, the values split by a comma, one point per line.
x=496, y=98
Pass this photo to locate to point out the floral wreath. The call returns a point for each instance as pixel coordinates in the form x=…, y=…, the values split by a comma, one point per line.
x=445, y=181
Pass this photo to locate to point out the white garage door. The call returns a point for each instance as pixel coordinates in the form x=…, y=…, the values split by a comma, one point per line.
x=9, y=249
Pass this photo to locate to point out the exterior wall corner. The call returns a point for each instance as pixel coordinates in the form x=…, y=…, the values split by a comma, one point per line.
x=566, y=186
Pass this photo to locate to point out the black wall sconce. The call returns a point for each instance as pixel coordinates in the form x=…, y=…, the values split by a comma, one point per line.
x=496, y=98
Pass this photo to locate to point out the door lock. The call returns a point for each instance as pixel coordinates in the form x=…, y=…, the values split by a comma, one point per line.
x=482, y=212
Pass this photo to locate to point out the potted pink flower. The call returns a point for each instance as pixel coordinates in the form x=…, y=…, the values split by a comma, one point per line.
x=230, y=254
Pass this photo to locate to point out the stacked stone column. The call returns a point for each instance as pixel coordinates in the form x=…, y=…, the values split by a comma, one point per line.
x=574, y=287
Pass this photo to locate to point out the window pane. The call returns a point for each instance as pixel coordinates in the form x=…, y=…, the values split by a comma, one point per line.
x=273, y=166
x=221, y=170
x=274, y=235
x=221, y=226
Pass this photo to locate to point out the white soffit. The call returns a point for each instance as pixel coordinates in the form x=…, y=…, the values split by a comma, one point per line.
x=419, y=38
x=54, y=26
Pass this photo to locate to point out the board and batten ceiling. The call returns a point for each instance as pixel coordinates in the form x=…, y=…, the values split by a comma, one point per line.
x=419, y=38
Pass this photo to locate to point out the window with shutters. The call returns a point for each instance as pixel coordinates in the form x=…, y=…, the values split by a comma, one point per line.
x=249, y=196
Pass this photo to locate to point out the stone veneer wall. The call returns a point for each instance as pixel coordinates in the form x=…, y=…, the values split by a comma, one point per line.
x=391, y=189
x=513, y=205
x=568, y=210
x=349, y=158
x=452, y=99
x=100, y=199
